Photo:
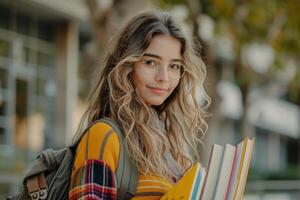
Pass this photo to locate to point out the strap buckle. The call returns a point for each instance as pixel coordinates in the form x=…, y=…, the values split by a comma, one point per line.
x=39, y=194
x=37, y=187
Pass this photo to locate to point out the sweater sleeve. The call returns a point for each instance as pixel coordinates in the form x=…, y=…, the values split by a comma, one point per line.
x=93, y=173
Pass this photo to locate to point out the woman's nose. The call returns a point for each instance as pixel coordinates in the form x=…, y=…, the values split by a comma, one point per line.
x=162, y=74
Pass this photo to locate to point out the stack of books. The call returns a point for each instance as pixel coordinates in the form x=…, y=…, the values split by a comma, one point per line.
x=225, y=176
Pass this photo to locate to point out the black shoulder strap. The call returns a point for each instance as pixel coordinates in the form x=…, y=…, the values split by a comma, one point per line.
x=126, y=173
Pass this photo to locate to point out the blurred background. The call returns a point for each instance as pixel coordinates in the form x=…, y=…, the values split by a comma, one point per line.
x=50, y=48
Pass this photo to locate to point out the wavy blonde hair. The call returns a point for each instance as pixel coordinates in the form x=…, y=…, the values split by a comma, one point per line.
x=114, y=96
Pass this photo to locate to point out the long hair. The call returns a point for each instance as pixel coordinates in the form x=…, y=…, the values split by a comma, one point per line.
x=113, y=95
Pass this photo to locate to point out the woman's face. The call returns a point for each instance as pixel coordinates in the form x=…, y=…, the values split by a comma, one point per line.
x=158, y=72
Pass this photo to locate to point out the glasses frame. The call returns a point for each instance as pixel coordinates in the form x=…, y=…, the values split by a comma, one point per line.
x=182, y=70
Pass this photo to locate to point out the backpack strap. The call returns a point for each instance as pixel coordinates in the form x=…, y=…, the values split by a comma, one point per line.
x=37, y=187
x=126, y=172
x=36, y=181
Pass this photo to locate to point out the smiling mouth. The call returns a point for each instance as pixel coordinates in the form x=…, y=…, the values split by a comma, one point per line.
x=158, y=90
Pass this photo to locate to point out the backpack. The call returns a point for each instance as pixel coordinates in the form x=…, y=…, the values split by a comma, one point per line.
x=49, y=177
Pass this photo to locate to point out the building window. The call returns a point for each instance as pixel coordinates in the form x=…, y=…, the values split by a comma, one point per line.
x=24, y=25
x=293, y=154
x=3, y=78
x=28, y=91
x=46, y=31
x=45, y=59
x=21, y=98
x=3, y=108
x=5, y=18
x=2, y=136
x=40, y=86
x=4, y=48
x=28, y=56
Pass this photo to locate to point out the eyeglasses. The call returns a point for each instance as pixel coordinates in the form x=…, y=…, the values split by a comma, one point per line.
x=152, y=66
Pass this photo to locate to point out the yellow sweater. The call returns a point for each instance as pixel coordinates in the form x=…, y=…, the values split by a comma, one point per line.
x=102, y=138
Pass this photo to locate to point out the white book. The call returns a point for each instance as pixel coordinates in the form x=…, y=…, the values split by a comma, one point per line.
x=245, y=164
x=212, y=172
x=225, y=171
x=235, y=170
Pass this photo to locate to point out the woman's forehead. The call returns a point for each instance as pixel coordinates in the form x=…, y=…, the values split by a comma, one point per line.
x=165, y=47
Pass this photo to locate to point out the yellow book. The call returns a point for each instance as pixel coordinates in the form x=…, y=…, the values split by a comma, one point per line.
x=239, y=173
x=244, y=169
x=189, y=186
x=221, y=181
x=246, y=141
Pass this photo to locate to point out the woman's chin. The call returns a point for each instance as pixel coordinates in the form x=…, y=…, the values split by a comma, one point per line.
x=155, y=102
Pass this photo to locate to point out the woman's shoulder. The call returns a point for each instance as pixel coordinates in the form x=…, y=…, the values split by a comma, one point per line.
x=100, y=142
x=100, y=132
x=102, y=129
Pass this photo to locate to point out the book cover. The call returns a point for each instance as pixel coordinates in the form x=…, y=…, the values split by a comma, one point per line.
x=189, y=186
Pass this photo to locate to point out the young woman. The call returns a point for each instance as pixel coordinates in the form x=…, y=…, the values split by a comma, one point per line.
x=150, y=87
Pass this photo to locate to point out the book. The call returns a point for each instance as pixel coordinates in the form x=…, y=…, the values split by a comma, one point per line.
x=189, y=186
x=225, y=178
x=211, y=178
x=240, y=169
x=244, y=168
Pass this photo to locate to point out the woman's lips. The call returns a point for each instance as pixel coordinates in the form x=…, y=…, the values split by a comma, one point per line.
x=158, y=90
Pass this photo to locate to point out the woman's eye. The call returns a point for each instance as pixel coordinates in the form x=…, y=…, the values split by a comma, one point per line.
x=149, y=62
x=175, y=67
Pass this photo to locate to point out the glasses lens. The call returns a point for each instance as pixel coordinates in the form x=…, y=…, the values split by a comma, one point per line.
x=175, y=71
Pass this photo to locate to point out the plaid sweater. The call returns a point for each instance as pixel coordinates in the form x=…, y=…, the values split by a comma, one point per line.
x=93, y=174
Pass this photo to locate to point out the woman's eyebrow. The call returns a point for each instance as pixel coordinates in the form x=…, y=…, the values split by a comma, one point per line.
x=159, y=57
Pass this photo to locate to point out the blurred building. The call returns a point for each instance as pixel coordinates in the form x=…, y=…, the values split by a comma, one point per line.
x=272, y=120
x=39, y=55
x=275, y=123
